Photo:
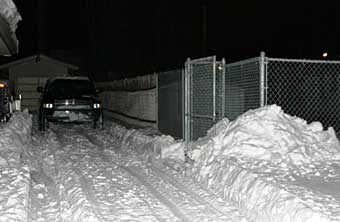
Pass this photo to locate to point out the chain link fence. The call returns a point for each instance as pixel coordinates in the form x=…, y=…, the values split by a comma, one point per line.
x=187, y=103
x=170, y=103
x=204, y=81
x=306, y=88
x=242, y=87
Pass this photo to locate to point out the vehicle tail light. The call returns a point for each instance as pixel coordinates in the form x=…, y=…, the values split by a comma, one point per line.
x=48, y=105
x=96, y=105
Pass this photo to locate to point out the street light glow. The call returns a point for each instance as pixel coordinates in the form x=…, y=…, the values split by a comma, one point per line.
x=325, y=54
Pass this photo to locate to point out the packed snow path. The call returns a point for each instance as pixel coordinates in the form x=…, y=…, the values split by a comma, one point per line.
x=81, y=174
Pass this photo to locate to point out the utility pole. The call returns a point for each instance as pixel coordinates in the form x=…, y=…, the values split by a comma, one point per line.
x=204, y=29
x=41, y=26
x=91, y=34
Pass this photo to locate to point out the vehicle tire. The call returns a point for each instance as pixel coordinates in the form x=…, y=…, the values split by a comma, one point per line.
x=43, y=123
x=7, y=118
x=99, y=123
x=40, y=123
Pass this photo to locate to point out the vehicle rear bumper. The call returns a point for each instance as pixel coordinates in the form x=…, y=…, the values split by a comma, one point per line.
x=72, y=115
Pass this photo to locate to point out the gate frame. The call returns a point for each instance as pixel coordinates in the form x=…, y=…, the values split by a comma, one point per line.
x=187, y=97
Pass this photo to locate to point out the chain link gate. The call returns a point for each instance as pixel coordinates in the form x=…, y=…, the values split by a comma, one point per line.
x=204, y=96
x=244, y=86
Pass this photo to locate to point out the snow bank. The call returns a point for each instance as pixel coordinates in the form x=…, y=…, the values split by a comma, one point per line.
x=146, y=142
x=10, y=13
x=275, y=167
x=265, y=161
x=13, y=136
x=14, y=177
x=270, y=134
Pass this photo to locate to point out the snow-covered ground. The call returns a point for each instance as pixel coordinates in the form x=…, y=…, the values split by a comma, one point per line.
x=76, y=173
x=272, y=166
x=275, y=167
x=14, y=172
x=264, y=166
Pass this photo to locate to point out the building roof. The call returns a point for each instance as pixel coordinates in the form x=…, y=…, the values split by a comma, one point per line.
x=35, y=58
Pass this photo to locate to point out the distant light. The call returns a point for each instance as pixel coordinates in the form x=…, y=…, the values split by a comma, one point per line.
x=324, y=55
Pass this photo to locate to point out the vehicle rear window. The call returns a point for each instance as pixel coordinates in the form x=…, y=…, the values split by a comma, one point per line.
x=62, y=88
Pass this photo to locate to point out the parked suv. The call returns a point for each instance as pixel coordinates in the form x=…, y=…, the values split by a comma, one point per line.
x=69, y=99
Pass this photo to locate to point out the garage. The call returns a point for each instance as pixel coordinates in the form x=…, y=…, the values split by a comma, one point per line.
x=30, y=72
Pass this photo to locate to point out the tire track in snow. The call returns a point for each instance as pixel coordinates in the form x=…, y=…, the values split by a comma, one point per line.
x=197, y=210
x=219, y=209
x=177, y=211
x=186, y=190
x=170, y=206
x=44, y=202
x=225, y=211
x=154, y=209
x=88, y=191
x=85, y=186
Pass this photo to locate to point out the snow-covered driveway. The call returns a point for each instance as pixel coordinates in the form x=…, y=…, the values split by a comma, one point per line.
x=81, y=174
x=265, y=166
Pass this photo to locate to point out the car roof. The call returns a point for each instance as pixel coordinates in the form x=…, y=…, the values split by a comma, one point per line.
x=52, y=79
x=69, y=78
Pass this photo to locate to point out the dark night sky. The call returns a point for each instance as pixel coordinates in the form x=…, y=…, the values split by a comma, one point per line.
x=138, y=37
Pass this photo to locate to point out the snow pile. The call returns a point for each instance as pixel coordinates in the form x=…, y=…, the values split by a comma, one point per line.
x=13, y=136
x=9, y=11
x=152, y=146
x=14, y=177
x=14, y=194
x=270, y=134
x=274, y=166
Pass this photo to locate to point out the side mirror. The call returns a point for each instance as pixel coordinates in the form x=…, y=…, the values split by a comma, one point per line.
x=40, y=89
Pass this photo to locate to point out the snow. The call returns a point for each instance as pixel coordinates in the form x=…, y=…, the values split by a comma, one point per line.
x=150, y=144
x=14, y=175
x=274, y=166
x=9, y=11
x=264, y=166
x=69, y=115
x=76, y=173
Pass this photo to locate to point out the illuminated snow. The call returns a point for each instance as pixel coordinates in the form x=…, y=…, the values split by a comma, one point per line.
x=264, y=166
x=274, y=166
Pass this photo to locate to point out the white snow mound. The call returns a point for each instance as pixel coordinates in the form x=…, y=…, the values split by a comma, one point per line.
x=148, y=143
x=13, y=136
x=14, y=176
x=270, y=134
x=275, y=167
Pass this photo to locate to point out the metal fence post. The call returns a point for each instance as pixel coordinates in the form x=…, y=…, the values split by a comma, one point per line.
x=156, y=100
x=214, y=90
x=183, y=101
x=262, y=79
x=187, y=103
x=223, y=87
